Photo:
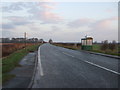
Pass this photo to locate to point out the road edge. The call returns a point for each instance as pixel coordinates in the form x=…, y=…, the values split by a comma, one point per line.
x=34, y=71
x=102, y=54
x=37, y=62
x=111, y=56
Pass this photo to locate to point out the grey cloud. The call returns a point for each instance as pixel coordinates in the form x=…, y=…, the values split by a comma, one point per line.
x=21, y=23
x=9, y=33
x=13, y=7
x=7, y=26
x=39, y=11
x=16, y=6
x=15, y=21
x=55, y=28
x=80, y=22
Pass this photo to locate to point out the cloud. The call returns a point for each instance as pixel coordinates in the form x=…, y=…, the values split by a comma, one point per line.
x=8, y=33
x=109, y=10
x=105, y=29
x=49, y=17
x=18, y=20
x=87, y=22
x=43, y=12
x=80, y=22
x=10, y=7
x=105, y=24
x=7, y=26
x=14, y=21
x=55, y=28
x=46, y=5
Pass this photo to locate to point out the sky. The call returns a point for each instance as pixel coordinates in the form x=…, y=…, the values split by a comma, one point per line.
x=60, y=21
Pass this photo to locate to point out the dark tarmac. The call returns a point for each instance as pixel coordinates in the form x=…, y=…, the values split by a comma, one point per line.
x=64, y=68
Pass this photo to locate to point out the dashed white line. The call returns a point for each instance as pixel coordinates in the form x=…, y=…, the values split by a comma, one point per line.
x=67, y=54
x=95, y=65
x=39, y=63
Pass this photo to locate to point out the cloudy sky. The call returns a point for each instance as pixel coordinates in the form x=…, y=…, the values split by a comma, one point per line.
x=60, y=21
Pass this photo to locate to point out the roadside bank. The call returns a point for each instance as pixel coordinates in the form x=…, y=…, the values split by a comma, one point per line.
x=23, y=73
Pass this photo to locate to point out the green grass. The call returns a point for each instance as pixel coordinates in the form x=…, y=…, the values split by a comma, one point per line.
x=12, y=61
x=96, y=48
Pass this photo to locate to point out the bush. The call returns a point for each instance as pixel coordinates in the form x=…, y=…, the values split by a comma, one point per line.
x=105, y=45
x=112, y=46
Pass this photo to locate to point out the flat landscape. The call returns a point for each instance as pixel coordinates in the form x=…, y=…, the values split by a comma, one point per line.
x=60, y=44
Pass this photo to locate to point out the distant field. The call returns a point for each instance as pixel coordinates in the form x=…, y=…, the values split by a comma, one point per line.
x=69, y=45
x=8, y=48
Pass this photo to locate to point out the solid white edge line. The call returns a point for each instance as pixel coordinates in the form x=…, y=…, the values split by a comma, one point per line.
x=96, y=65
x=39, y=63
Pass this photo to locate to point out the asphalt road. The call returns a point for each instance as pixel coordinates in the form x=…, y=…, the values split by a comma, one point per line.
x=64, y=68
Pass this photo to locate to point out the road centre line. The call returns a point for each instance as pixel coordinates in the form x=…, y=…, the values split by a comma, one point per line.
x=67, y=54
x=95, y=65
x=39, y=63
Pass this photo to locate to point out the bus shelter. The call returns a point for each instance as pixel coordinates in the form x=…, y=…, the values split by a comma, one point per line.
x=86, y=43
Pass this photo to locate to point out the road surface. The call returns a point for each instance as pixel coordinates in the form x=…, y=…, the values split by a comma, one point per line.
x=64, y=68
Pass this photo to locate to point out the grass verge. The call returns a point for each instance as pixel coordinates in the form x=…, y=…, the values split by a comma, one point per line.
x=12, y=61
x=96, y=48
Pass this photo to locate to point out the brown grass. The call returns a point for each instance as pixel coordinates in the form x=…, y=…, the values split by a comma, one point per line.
x=8, y=48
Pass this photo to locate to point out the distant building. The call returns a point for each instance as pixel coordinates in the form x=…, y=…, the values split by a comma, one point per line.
x=18, y=39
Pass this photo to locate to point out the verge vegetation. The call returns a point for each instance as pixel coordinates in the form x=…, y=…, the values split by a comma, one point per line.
x=105, y=47
x=12, y=61
x=68, y=45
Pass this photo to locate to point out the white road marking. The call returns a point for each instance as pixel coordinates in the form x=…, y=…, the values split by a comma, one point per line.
x=102, y=67
x=39, y=63
x=96, y=65
x=67, y=54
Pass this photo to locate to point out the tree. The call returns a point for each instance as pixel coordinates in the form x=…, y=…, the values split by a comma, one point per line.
x=50, y=41
x=112, y=46
x=105, y=45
